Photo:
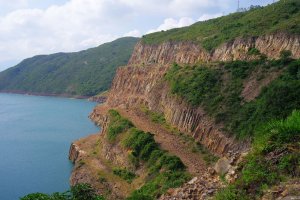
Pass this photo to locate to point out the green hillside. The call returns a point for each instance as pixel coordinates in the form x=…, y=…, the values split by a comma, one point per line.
x=283, y=16
x=84, y=73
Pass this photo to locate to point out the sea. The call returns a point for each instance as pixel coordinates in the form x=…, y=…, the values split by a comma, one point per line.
x=35, y=136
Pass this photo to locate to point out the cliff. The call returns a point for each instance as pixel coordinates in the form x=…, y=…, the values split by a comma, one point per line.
x=141, y=83
x=230, y=77
x=95, y=158
x=190, y=53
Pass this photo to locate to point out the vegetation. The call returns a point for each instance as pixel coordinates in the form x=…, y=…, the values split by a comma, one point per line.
x=77, y=192
x=283, y=16
x=124, y=174
x=208, y=157
x=84, y=73
x=206, y=85
x=117, y=125
x=274, y=158
x=165, y=171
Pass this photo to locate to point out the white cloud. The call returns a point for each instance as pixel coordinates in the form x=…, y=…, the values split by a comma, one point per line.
x=170, y=23
x=133, y=33
x=27, y=30
x=205, y=17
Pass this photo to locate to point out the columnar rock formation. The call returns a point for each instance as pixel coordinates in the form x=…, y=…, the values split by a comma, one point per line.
x=191, y=53
x=141, y=82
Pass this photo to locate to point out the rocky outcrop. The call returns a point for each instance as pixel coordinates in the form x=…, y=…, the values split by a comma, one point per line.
x=98, y=99
x=284, y=191
x=203, y=187
x=74, y=152
x=257, y=80
x=191, y=53
x=135, y=86
x=141, y=83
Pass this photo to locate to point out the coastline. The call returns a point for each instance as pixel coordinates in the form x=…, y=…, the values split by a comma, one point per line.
x=44, y=94
x=89, y=98
x=97, y=99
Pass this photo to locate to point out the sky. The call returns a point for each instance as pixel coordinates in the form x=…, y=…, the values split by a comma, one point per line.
x=33, y=27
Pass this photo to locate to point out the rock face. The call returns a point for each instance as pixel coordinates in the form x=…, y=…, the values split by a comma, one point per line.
x=141, y=83
x=222, y=166
x=74, y=152
x=135, y=86
x=191, y=53
x=198, y=188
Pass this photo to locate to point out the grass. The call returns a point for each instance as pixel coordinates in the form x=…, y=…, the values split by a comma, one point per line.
x=124, y=174
x=208, y=157
x=283, y=16
x=117, y=125
x=217, y=88
x=80, y=191
x=196, y=147
x=259, y=173
x=165, y=171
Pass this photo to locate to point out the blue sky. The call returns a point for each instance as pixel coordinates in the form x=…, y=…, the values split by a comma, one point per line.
x=31, y=27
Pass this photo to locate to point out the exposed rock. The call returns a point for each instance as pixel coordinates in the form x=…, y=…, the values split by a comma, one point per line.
x=147, y=88
x=90, y=156
x=199, y=188
x=253, y=85
x=284, y=191
x=74, y=152
x=140, y=83
x=98, y=99
x=191, y=53
x=222, y=166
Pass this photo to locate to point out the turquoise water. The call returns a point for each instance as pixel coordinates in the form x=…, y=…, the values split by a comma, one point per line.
x=35, y=135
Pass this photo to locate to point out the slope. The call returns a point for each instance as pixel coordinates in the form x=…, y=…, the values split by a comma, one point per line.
x=83, y=73
x=281, y=16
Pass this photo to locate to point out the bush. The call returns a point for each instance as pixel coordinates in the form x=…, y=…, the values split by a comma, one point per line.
x=285, y=55
x=117, y=125
x=274, y=158
x=77, y=192
x=125, y=174
x=165, y=171
x=195, y=84
x=231, y=193
x=254, y=51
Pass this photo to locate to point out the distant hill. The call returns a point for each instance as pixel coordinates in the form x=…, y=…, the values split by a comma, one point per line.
x=83, y=73
x=283, y=16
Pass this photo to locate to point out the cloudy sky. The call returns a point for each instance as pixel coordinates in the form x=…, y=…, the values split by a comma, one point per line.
x=31, y=27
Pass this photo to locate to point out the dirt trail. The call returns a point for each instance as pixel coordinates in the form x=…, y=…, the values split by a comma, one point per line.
x=167, y=140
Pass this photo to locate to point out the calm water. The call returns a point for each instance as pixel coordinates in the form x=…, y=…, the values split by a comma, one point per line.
x=35, y=135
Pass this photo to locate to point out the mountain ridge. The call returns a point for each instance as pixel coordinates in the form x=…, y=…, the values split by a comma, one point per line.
x=78, y=74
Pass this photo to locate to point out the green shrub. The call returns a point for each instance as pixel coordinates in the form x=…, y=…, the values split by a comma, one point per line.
x=205, y=86
x=231, y=193
x=285, y=55
x=195, y=84
x=117, y=125
x=78, y=192
x=125, y=174
x=165, y=171
x=253, y=51
x=274, y=158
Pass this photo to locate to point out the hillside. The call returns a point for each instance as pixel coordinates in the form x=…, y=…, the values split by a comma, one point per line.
x=84, y=73
x=283, y=16
x=209, y=105
x=194, y=117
